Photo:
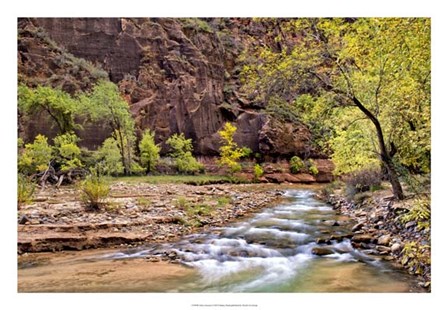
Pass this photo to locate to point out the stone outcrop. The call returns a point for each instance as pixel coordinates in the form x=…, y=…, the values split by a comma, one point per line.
x=178, y=75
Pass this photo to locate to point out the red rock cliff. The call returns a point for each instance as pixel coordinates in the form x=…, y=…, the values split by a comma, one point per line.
x=179, y=75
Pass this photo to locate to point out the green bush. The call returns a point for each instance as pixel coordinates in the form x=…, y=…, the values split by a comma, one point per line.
x=296, y=164
x=108, y=158
x=224, y=200
x=416, y=257
x=67, y=150
x=181, y=151
x=312, y=168
x=420, y=212
x=258, y=171
x=149, y=151
x=94, y=192
x=36, y=156
x=198, y=210
x=25, y=190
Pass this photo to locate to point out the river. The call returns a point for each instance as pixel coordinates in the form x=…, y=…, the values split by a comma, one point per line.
x=273, y=251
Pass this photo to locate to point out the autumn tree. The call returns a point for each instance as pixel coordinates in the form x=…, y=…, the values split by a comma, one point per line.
x=149, y=151
x=366, y=81
x=229, y=152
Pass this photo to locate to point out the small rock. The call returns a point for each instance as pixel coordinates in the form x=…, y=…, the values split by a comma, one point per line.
x=153, y=259
x=383, y=249
x=322, y=240
x=388, y=258
x=396, y=247
x=23, y=220
x=384, y=240
x=410, y=224
x=321, y=251
x=358, y=226
x=362, y=238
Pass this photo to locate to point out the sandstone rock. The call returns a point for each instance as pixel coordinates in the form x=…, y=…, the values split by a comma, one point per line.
x=396, y=248
x=410, y=224
x=322, y=251
x=358, y=226
x=175, y=78
x=383, y=249
x=287, y=177
x=23, y=220
x=363, y=238
x=384, y=240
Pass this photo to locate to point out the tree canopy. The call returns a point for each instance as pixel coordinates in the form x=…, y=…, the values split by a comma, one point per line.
x=362, y=86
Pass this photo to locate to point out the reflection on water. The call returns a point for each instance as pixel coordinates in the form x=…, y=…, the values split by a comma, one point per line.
x=271, y=252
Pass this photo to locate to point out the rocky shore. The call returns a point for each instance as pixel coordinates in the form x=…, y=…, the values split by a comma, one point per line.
x=135, y=214
x=379, y=231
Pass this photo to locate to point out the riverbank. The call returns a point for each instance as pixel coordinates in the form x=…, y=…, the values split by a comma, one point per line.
x=381, y=230
x=136, y=213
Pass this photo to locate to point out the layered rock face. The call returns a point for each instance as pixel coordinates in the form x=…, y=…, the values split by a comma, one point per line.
x=178, y=75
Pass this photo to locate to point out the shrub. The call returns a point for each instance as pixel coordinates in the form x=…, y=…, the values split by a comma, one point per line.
x=420, y=212
x=67, y=150
x=181, y=202
x=137, y=169
x=224, y=200
x=149, y=151
x=181, y=151
x=94, y=192
x=416, y=257
x=312, y=168
x=363, y=181
x=25, y=190
x=258, y=171
x=108, y=158
x=230, y=153
x=201, y=209
x=36, y=156
x=296, y=164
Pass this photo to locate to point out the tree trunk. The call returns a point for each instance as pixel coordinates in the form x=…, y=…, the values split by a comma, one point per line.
x=385, y=158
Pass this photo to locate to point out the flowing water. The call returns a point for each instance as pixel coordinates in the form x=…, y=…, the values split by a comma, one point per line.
x=271, y=252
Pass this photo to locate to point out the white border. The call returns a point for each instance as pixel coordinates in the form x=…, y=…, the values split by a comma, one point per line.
x=240, y=8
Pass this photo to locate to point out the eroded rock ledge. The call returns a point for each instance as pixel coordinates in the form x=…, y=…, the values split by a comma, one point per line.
x=136, y=213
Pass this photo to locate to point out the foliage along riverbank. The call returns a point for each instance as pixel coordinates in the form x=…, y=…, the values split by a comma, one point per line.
x=399, y=231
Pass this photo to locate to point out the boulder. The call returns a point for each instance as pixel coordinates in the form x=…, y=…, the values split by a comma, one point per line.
x=384, y=240
x=396, y=248
x=363, y=238
x=322, y=251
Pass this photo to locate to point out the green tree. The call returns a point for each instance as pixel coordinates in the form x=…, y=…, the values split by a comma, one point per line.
x=229, y=152
x=369, y=76
x=181, y=151
x=59, y=105
x=108, y=158
x=149, y=151
x=106, y=103
x=36, y=156
x=68, y=152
